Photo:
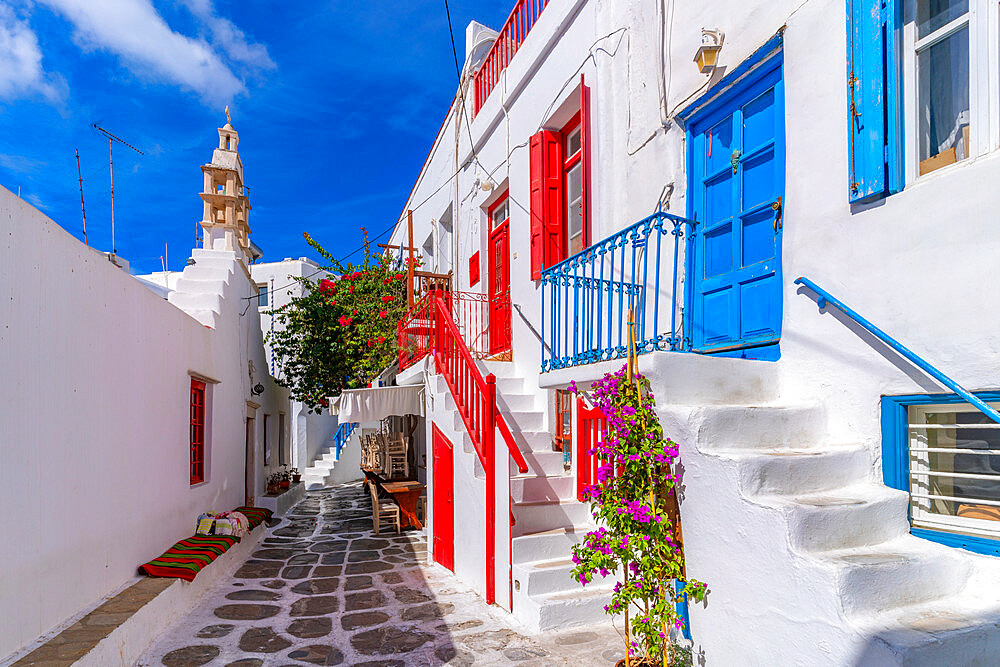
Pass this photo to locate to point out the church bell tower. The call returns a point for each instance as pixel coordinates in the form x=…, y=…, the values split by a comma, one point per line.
x=227, y=209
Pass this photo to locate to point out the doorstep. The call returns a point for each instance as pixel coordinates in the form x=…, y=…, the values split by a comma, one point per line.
x=120, y=629
x=280, y=503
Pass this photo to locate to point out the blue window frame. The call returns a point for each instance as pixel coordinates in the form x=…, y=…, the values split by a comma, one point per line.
x=907, y=467
x=736, y=177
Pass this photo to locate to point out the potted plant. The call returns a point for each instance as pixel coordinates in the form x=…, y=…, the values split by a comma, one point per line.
x=638, y=537
x=285, y=476
x=296, y=475
x=273, y=484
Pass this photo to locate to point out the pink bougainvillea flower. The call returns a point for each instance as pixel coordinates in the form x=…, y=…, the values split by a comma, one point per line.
x=381, y=339
x=382, y=314
x=387, y=298
x=344, y=321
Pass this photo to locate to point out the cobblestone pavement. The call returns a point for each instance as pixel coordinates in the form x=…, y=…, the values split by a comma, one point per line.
x=324, y=589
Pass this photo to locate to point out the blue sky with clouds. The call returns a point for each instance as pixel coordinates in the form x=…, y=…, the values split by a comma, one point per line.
x=336, y=103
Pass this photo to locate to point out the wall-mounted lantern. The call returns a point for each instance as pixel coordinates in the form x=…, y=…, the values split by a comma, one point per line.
x=257, y=389
x=708, y=53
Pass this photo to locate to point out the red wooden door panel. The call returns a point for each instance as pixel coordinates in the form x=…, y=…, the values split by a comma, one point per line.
x=500, y=289
x=444, y=500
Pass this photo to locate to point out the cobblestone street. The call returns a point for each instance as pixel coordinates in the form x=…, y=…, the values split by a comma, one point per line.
x=324, y=589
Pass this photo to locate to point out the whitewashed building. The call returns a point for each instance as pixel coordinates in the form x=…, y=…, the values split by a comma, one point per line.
x=125, y=415
x=694, y=161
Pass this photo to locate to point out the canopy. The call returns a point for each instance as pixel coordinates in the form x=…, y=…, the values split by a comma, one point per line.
x=369, y=405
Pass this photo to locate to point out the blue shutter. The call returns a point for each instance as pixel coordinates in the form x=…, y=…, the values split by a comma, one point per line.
x=873, y=101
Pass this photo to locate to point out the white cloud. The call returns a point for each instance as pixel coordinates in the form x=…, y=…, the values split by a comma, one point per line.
x=135, y=31
x=21, y=71
x=228, y=38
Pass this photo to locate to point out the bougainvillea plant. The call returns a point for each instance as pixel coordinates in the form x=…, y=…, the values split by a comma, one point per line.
x=343, y=332
x=636, y=538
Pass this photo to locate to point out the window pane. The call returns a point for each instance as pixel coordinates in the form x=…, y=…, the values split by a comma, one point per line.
x=933, y=14
x=954, y=467
x=944, y=101
x=500, y=213
x=262, y=297
x=574, y=216
x=573, y=142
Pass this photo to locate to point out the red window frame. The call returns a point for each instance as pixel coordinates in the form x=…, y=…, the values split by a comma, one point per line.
x=197, y=431
x=474, y=269
x=548, y=167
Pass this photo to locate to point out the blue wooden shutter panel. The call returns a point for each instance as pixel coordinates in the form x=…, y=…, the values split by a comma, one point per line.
x=874, y=110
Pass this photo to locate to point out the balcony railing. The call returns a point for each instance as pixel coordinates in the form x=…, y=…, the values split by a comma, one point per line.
x=511, y=36
x=587, y=298
x=470, y=312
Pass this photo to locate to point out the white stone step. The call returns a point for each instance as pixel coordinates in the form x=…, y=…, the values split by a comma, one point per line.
x=208, y=257
x=525, y=420
x=192, y=302
x=790, y=471
x=507, y=403
x=209, y=318
x=538, y=441
x=855, y=516
x=203, y=272
x=535, y=517
x=565, y=609
x=901, y=572
x=547, y=545
x=211, y=285
x=545, y=576
x=545, y=463
x=320, y=465
x=949, y=631
x=767, y=427
x=538, y=487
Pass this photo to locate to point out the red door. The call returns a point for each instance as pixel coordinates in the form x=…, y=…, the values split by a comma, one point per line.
x=499, y=284
x=444, y=500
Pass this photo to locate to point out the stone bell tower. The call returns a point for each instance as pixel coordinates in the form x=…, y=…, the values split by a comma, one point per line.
x=227, y=208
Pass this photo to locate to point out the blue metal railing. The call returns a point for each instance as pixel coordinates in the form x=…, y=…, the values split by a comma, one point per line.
x=342, y=435
x=826, y=298
x=586, y=298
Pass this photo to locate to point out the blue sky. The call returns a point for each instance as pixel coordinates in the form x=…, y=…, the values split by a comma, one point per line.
x=336, y=103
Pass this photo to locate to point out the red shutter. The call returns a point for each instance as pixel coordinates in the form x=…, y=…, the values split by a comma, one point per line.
x=586, y=138
x=536, y=167
x=547, y=202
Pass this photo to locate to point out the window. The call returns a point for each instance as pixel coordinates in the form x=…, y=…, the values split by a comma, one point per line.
x=946, y=454
x=197, y=431
x=560, y=206
x=262, y=296
x=282, y=455
x=951, y=46
x=573, y=186
x=267, y=449
x=500, y=213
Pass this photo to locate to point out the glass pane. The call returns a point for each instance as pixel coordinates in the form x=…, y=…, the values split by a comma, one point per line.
x=943, y=106
x=933, y=14
x=501, y=213
x=954, y=454
x=574, y=214
x=262, y=298
x=573, y=142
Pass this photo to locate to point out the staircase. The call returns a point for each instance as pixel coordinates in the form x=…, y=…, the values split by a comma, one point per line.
x=804, y=520
x=201, y=288
x=548, y=518
x=317, y=476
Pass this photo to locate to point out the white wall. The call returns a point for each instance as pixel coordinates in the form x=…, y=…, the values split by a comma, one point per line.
x=94, y=427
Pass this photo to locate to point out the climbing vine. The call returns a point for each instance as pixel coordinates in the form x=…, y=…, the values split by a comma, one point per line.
x=638, y=536
x=343, y=331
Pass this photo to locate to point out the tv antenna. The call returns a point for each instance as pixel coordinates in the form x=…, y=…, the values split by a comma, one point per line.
x=111, y=164
x=82, y=207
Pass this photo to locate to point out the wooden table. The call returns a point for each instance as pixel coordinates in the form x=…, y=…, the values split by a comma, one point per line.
x=406, y=495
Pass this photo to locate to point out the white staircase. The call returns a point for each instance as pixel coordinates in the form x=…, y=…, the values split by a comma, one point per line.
x=201, y=288
x=806, y=521
x=316, y=476
x=548, y=518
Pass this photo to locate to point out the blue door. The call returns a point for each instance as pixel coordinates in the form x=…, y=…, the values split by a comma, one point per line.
x=737, y=163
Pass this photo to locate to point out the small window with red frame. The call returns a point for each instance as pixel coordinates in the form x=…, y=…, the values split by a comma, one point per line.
x=564, y=425
x=197, y=431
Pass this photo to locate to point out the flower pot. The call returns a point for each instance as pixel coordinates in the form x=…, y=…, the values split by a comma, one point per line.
x=272, y=489
x=637, y=662
x=296, y=478
x=285, y=483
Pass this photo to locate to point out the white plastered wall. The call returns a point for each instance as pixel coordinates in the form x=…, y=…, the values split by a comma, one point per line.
x=94, y=428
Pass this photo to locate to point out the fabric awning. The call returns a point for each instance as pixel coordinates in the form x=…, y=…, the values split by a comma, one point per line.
x=369, y=405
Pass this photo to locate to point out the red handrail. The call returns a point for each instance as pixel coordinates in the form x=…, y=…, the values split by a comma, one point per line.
x=475, y=399
x=521, y=20
x=470, y=311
